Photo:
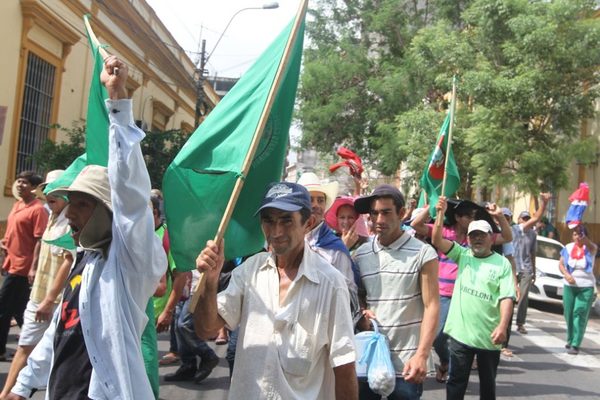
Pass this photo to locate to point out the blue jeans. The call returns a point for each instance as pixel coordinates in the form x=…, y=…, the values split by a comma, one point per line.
x=189, y=344
x=440, y=344
x=173, y=348
x=402, y=391
x=233, y=338
x=461, y=359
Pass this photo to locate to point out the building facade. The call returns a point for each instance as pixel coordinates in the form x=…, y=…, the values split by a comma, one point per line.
x=47, y=67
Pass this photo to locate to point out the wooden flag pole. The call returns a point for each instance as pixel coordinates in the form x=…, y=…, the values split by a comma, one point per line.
x=438, y=219
x=93, y=37
x=239, y=183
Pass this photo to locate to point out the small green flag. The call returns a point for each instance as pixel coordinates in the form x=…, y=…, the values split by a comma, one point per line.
x=96, y=130
x=199, y=182
x=65, y=241
x=433, y=174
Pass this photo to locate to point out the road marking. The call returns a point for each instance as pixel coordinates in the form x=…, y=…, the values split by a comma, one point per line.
x=591, y=334
x=556, y=347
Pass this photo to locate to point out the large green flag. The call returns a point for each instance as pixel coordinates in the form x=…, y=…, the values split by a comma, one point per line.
x=199, y=182
x=96, y=131
x=433, y=174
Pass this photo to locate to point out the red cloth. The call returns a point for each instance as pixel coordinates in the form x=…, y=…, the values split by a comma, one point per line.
x=25, y=226
x=351, y=160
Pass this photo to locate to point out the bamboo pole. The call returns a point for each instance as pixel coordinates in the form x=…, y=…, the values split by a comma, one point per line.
x=239, y=183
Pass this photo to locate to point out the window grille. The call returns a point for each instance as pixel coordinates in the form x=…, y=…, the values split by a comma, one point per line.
x=36, y=110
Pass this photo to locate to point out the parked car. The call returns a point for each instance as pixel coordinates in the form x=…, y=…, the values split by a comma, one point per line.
x=548, y=285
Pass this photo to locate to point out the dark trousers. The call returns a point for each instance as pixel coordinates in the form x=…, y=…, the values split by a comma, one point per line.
x=461, y=359
x=189, y=344
x=14, y=295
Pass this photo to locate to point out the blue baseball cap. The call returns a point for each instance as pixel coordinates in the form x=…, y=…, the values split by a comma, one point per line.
x=286, y=196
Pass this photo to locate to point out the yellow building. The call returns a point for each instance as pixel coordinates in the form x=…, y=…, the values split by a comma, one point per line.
x=46, y=71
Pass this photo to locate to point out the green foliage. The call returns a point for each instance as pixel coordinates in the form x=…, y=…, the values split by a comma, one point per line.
x=159, y=149
x=53, y=155
x=377, y=75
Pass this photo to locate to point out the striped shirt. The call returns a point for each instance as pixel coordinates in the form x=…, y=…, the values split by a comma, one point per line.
x=390, y=275
x=51, y=257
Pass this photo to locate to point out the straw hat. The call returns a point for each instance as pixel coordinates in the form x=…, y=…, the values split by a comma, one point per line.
x=50, y=177
x=312, y=183
x=15, y=192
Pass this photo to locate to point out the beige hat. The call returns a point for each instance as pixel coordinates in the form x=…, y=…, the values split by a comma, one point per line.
x=312, y=183
x=92, y=180
x=50, y=177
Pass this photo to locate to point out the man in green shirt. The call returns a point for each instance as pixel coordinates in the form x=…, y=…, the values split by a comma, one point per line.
x=481, y=307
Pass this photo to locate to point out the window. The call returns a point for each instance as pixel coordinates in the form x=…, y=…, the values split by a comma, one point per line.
x=36, y=109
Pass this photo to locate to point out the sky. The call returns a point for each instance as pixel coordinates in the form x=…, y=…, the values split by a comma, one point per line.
x=250, y=32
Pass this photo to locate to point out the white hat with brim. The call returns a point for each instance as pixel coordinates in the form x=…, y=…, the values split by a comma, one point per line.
x=50, y=177
x=92, y=180
x=312, y=183
x=479, y=225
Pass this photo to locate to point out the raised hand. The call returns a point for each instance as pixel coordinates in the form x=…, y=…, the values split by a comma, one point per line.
x=114, y=77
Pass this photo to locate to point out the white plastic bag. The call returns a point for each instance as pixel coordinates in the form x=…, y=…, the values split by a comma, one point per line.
x=380, y=370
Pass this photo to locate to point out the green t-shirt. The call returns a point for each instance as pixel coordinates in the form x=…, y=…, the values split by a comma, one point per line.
x=475, y=307
x=161, y=302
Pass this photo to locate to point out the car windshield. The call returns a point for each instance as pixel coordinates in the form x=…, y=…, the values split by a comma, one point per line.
x=548, y=250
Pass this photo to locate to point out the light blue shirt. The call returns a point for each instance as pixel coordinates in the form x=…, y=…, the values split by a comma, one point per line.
x=114, y=291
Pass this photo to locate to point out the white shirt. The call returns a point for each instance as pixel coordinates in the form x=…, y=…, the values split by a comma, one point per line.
x=287, y=352
x=114, y=291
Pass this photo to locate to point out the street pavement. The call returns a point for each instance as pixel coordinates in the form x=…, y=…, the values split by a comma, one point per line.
x=539, y=370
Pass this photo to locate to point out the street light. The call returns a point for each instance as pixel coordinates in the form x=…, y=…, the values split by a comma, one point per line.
x=204, y=60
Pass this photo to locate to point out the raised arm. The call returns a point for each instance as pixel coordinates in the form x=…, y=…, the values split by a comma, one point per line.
x=419, y=224
x=506, y=233
x=544, y=199
x=443, y=245
x=133, y=225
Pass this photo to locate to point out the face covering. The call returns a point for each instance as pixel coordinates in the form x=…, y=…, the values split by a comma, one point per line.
x=97, y=232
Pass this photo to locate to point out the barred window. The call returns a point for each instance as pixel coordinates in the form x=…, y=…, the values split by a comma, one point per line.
x=36, y=110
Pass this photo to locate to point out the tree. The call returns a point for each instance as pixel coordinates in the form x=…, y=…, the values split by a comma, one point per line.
x=159, y=149
x=527, y=76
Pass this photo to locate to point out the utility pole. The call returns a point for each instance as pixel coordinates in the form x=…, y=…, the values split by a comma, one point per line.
x=200, y=83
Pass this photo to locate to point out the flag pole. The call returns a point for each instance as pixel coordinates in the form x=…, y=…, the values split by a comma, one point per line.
x=439, y=220
x=93, y=37
x=239, y=183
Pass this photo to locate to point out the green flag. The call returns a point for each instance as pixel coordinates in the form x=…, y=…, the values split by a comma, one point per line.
x=433, y=174
x=96, y=130
x=199, y=182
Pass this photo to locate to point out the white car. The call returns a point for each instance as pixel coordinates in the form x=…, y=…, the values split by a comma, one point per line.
x=548, y=285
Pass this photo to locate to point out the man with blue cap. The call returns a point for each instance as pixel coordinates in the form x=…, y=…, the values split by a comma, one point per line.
x=291, y=306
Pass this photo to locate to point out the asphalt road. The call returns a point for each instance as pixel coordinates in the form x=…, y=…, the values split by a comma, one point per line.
x=539, y=370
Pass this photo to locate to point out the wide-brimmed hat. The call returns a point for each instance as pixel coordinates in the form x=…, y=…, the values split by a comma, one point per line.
x=331, y=216
x=312, y=183
x=50, y=177
x=455, y=205
x=15, y=192
x=92, y=180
